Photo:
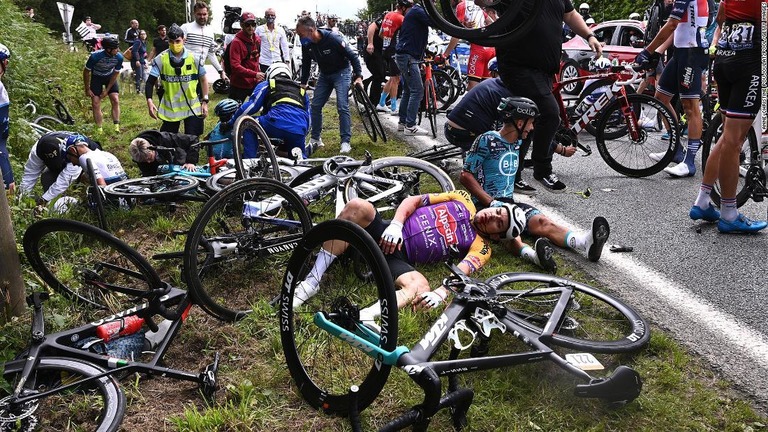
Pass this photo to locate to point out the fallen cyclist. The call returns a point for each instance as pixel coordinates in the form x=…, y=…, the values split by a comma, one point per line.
x=418, y=225
x=150, y=161
x=489, y=175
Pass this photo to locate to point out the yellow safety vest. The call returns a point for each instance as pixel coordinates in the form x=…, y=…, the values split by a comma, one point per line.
x=180, y=83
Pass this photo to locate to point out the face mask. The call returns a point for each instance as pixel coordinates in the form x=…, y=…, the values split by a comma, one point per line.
x=270, y=20
x=176, y=48
x=305, y=41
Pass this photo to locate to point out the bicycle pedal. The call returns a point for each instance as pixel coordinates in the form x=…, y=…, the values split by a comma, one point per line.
x=208, y=383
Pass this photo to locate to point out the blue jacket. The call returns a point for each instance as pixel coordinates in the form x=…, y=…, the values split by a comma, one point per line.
x=414, y=32
x=332, y=54
x=5, y=162
x=289, y=117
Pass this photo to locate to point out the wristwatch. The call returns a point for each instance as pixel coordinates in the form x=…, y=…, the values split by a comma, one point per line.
x=205, y=99
x=591, y=35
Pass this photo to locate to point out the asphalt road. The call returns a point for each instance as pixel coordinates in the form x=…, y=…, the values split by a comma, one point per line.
x=706, y=289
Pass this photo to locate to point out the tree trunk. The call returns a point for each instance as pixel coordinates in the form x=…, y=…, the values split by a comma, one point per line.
x=11, y=284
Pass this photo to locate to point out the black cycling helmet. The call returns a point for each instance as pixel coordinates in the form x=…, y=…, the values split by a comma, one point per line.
x=221, y=86
x=110, y=42
x=174, y=32
x=405, y=3
x=517, y=107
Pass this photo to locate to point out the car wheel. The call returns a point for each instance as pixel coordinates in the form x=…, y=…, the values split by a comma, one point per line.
x=571, y=70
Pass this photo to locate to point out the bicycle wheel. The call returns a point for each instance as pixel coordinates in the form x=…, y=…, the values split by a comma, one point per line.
x=438, y=154
x=654, y=21
x=366, y=111
x=615, y=126
x=630, y=156
x=96, y=405
x=96, y=197
x=430, y=107
x=159, y=186
x=239, y=243
x=388, y=181
x=323, y=366
x=220, y=180
x=444, y=89
x=750, y=161
x=592, y=320
x=88, y=264
x=320, y=201
x=49, y=122
x=265, y=163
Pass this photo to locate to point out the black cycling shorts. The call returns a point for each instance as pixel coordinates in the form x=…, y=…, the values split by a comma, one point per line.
x=397, y=261
x=738, y=85
x=390, y=65
x=99, y=82
x=682, y=75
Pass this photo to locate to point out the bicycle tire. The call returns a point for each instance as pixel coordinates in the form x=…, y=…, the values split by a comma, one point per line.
x=265, y=164
x=593, y=321
x=365, y=111
x=749, y=154
x=430, y=105
x=87, y=264
x=630, y=157
x=409, y=171
x=49, y=122
x=237, y=237
x=322, y=366
x=159, y=186
x=654, y=21
x=96, y=199
x=444, y=89
x=515, y=20
x=102, y=403
x=220, y=180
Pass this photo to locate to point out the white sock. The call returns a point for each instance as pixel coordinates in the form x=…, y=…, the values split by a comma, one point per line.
x=580, y=242
x=702, y=200
x=324, y=259
x=528, y=253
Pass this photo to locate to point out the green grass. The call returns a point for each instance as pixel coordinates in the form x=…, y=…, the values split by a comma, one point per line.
x=680, y=392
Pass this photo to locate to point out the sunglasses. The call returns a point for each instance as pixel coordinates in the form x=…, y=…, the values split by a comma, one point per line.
x=249, y=24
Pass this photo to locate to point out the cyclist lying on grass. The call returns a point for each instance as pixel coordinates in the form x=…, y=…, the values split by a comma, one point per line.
x=106, y=167
x=431, y=227
x=489, y=175
x=149, y=161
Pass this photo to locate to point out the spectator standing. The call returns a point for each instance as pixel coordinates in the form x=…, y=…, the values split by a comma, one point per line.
x=139, y=59
x=284, y=107
x=5, y=161
x=411, y=44
x=274, y=42
x=181, y=75
x=244, y=59
x=47, y=161
x=100, y=78
x=132, y=33
x=89, y=38
x=199, y=38
x=528, y=67
x=30, y=11
x=334, y=57
x=390, y=28
x=159, y=44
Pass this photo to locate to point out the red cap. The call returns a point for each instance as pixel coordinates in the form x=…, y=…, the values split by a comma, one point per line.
x=247, y=17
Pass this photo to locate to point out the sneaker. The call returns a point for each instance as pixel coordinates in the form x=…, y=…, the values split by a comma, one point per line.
x=660, y=155
x=665, y=136
x=681, y=170
x=522, y=187
x=316, y=142
x=552, y=183
x=710, y=214
x=600, y=233
x=383, y=108
x=400, y=127
x=414, y=131
x=395, y=113
x=345, y=147
x=304, y=291
x=544, y=252
x=117, y=127
x=742, y=224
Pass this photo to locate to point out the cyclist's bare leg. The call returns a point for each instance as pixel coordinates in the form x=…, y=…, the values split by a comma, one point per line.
x=96, y=107
x=541, y=226
x=114, y=99
x=724, y=159
x=667, y=101
x=693, y=114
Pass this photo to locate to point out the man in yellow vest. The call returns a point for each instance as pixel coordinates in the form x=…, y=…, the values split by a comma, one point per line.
x=179, y=74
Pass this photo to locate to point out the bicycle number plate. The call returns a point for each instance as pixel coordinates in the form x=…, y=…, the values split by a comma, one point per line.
x=584, y=361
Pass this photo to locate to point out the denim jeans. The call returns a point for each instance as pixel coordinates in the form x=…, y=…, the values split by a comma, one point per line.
x=139, y=75
x=413, y=88
x=326, y=83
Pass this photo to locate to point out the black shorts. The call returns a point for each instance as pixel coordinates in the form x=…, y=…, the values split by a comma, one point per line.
x=738, y=84
x=461, y=138
x=397, y=261
x=390, y=65
x=682, y=75
x=99, y=82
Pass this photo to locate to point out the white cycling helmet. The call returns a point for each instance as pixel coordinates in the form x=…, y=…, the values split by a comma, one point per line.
x=589, y=21
x=5, y=53
x=517, y=221
x=602, y=63
x=634, y=16
x=584, y=6
x=276, y=69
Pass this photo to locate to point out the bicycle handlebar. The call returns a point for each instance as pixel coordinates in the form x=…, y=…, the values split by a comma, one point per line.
x=210, y=143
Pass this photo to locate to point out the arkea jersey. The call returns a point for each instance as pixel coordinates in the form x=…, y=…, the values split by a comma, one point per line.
x=105, y=166
x=693, y=16
x=444, y=222
x=494, y=161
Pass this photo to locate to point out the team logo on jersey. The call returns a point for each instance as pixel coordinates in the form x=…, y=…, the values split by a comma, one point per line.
x=446, y=224
x=508, y=164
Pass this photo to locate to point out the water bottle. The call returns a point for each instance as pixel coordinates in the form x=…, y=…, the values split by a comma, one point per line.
x=119, y=327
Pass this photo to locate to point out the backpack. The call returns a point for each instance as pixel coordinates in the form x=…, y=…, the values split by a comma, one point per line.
x=225, y=57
